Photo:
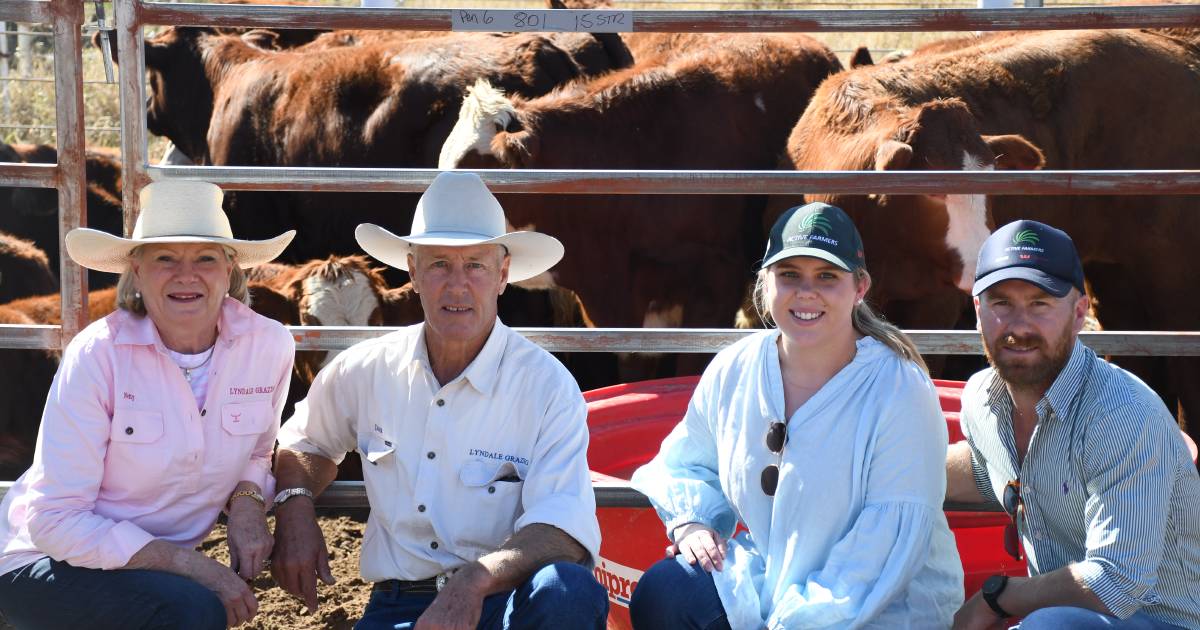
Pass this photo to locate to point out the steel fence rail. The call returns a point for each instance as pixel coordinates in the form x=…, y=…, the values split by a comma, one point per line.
x=715, y=21
x=30, y=175
x=674, y=182
x=25, y=11
x=342, y=495
x=674, y=340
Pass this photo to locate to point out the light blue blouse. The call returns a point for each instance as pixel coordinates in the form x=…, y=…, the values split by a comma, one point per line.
x=855, y=536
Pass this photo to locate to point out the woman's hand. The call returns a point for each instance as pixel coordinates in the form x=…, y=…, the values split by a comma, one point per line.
x=231, y=589
x=699, y=543
x=235, y=595
x=249, y=541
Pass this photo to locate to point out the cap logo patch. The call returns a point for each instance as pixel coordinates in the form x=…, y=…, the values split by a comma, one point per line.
x=816, y=223
x=1026, y=237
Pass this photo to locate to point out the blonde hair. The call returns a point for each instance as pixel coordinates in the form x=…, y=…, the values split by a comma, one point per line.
x=864, y=319
x=130, y=300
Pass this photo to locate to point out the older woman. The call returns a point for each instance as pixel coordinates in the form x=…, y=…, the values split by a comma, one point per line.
x=161, y=415
x=825, y=438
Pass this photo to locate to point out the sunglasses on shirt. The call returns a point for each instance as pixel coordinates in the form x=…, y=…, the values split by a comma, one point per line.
x=1014, y=506
x=776, y=439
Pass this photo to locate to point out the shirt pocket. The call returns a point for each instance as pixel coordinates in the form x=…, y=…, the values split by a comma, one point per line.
x=378, y=451
x=131, y=426
x=139, y=457
x=493, y=489
x=250, y=418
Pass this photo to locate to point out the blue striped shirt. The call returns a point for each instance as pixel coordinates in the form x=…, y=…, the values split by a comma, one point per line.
x=1107, y=481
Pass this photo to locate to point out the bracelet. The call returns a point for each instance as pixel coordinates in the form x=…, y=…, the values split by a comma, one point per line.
x=248, y=493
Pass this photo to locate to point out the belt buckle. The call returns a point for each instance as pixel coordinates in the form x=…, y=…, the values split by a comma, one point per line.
x=440, y=581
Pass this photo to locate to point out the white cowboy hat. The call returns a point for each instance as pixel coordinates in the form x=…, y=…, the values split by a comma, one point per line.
x=172, y=212
x=458, y=210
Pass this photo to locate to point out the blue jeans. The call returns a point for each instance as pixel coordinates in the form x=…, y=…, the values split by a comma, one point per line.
x=48, y=594
x=1083, y=619
x=674, y=594
x=560, y=595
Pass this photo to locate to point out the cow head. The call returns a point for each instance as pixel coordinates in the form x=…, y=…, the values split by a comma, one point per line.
x=488, y=134
x=848, y=130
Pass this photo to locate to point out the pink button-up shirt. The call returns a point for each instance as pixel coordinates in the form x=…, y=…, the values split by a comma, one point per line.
x=124, y=456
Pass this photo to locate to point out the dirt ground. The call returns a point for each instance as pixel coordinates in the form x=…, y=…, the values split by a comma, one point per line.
x=341, y=604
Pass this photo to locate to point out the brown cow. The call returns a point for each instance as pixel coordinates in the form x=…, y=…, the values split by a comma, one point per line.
x=32, y=213
x=1085, y=100
x=24, y=270
x=224, y=101
x=652, y=260
x=24, y=381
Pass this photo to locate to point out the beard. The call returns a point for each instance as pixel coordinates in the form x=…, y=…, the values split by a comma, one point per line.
x=1038, y=374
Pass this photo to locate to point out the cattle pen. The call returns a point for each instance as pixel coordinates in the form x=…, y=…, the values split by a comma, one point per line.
x=68, y=177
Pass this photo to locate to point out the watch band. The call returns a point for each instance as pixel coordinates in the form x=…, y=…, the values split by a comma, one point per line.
x=284, y=495
x=992, y=596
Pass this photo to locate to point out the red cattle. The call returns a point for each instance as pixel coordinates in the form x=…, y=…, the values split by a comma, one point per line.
x=1084, y=100
x=32, y=213
x=390, y=102
x=23, y=384
x=726, y=103
x=24, y=270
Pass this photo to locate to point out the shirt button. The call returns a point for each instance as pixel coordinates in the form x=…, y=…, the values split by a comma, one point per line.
x=430, y=455
x=421, y=508
x=433, y=545
x=441, y=402
x=128, y=430
x=203, y=412
x=491, y=489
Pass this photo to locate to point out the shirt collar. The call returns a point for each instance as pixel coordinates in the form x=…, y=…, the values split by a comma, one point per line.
x=1069, y=381
x=483, y=370
x=1061, y=392
x=234, y=320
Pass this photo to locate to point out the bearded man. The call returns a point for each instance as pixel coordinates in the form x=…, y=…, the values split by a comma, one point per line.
x=1086, y=460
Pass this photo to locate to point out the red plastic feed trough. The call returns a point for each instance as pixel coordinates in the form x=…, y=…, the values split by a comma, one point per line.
x=628, y=422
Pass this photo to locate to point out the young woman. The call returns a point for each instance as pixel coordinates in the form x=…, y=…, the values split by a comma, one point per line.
x=824, y=437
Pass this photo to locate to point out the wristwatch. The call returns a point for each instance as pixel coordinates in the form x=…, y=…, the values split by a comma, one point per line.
x=284, y=495
x=992, y=587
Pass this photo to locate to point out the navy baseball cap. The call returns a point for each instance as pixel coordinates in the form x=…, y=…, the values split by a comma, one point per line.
x=818, y=230
x=1033, y=252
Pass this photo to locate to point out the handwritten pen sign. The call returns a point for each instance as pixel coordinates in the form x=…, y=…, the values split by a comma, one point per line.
x=557, y=20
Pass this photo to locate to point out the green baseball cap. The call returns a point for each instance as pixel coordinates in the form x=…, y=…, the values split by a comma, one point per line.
x=818, y=230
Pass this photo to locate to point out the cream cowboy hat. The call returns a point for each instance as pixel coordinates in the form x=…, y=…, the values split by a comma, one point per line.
x=458, y=210
x=172, y=212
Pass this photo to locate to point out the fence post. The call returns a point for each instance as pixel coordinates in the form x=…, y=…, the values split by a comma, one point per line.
x=5, y=56
x=131, y=84
x=72, y=176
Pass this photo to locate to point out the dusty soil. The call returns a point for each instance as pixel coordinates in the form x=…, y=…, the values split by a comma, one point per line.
x=341, y=604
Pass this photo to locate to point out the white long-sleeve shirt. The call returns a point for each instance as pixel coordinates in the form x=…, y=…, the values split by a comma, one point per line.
x=855, y=536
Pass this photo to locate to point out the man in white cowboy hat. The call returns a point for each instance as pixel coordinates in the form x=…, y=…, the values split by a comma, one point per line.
x=474, y=439
x=162, y=414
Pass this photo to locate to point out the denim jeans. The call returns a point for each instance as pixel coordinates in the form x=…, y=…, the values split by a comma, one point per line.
x=674, y=594
x=47, y=595
x=561, y=595
x=1083, y=619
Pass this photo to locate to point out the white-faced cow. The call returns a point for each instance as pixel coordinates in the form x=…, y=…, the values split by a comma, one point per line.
x=1082, y=100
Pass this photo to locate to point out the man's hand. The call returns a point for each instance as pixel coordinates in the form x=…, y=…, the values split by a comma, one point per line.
x=300, y=555
x=975, y=614
x=459, y=605
x=698, y=543
x=249, y=541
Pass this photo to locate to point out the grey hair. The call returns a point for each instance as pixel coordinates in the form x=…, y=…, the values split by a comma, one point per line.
x=414, y=248
x=130, y=300
x=864, y=319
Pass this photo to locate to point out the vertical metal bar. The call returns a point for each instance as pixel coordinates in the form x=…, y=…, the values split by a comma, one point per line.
x=5, y=97
x=72, y=176
x=131, y=82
